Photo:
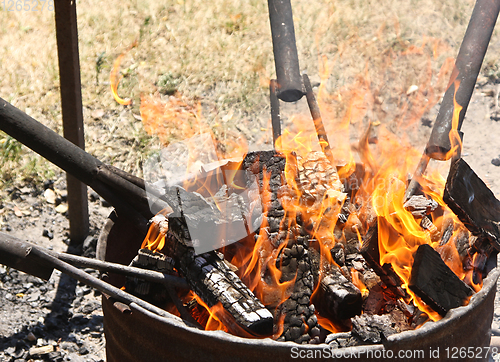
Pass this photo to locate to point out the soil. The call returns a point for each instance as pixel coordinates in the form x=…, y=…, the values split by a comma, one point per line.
x=66, y=318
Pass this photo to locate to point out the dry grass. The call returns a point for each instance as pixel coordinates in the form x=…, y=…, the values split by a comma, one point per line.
x=219, y=54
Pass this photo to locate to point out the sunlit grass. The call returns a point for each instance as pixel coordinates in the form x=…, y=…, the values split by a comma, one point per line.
x=219, y=54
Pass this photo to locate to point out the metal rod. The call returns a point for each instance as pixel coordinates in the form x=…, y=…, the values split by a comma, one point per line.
x=47, y=143
x=14, y=252
x=75, y=161
x=145, y=274
x=72, y=112
x=127, y=176
x=467, y=67
x=318, y=121
x=417, y=176
x=40, y=256
x=275, y=111
x=286, y=58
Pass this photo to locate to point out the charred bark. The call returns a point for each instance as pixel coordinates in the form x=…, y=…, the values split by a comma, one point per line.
x=337, y=297
x=297, y=313
x=207, y=274
x=371, y=254
x=473, y=202
x=433, y=281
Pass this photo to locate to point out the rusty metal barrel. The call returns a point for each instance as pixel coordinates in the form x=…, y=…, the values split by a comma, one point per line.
x=134, y=334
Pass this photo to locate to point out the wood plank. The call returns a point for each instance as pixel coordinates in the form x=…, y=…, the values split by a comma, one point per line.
x=473, y=202
x=435, y=283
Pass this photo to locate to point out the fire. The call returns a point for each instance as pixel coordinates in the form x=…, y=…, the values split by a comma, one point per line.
x=115, y=79
x=378, y=198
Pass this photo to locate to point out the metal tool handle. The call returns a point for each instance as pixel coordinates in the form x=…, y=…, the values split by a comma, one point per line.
x=286, y=58
x=467, y=66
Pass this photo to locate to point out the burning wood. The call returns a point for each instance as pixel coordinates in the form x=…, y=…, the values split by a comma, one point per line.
x=303, y=259
x=212, y=279
x=338, y=298
x=435, y=283
x=473, y=202
x=299, y=321
x=370, y=252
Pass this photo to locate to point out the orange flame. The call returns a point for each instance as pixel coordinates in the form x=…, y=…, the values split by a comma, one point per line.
x=455, y=139
x=115, y=79
x=379, y=197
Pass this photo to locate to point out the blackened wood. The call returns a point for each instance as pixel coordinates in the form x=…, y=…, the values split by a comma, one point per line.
x=435, y=283
x=300, y=323
x=337, y=297
x=473, y=202
x=316, y=116
x=271, y=166
x=213, y=281
x=354, y=181
x=370, y=252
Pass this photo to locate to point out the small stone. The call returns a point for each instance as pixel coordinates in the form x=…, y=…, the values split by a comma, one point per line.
x=83, y=350
x=69, y=346
x=48, y=234
x=31, y=337
x=62, y=208
x=496, y=161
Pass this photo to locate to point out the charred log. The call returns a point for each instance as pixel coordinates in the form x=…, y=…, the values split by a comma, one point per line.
x=433, y=281
x=420, y=206
x=337, y=297
x=152, y=292
x=473, y=202
x=300, y=322
x=212, y=280
x=371, y=253
x=209, y=277
x=297, y=313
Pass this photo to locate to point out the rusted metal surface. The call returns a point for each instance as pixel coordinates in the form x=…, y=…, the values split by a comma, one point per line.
x=275, y=111
x=139, y=335
x=15, y=254
x=318, y=121
x=464, y=76
x=72, y=114
x=286, y=58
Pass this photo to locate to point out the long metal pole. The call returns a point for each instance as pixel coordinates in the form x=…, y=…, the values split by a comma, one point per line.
x=286, y=58
x=467, y=66
x=461, y=86
x=72, y=113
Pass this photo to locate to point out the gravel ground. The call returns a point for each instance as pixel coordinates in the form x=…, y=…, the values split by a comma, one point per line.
x=61, y=320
